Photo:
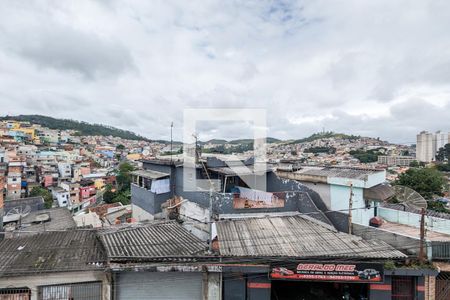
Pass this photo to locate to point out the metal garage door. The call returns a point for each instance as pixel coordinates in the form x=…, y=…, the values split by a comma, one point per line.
x=158, y=286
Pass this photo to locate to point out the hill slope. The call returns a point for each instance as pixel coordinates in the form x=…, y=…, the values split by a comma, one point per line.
x=322, y=135
x=83, y=128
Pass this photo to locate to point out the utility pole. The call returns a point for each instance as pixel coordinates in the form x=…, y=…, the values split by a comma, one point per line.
x=422, y=237
x=210, y=216
x=171, y=141
x=210, y=219
x=350, y=209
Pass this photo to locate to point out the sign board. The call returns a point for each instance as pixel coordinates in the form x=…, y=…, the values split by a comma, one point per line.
x=345, y=272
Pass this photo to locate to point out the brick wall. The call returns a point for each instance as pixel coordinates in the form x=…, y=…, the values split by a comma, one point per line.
x=430, y=285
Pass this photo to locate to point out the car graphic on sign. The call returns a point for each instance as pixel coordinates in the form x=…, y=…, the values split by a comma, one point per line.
x=368, y=274
x=283, y=271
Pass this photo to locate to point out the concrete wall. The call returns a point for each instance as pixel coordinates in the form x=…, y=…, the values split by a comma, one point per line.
x=147, y=200
x=34, y=281
x=340, y=197
x=322, y=189
x=413, y=219
x=213, y=286
x=141, y=214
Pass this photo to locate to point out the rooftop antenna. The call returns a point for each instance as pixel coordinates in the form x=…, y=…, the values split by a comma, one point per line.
x=210, y=191
x=196, y=141
x=412, y=199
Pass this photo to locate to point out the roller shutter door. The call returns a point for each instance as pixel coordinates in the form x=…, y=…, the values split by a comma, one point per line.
x=158, y=286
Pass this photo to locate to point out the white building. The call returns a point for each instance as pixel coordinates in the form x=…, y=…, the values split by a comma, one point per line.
x=425, y=147
x=63, y=198
x=395, y=160
x=442, y=138
x=65, y=170
x=428, y=144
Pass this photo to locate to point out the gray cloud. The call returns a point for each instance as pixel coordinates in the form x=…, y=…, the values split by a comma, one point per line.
x=68, y=50
x=378, y=68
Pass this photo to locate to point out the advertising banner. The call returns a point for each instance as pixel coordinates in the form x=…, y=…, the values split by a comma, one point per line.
x=345, y=272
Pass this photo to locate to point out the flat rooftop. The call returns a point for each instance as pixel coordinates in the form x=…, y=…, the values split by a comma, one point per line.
x=413, y=232
x=339, y=172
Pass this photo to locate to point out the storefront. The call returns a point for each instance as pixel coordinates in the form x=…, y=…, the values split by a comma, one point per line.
x=348, y=280
x=325, y=280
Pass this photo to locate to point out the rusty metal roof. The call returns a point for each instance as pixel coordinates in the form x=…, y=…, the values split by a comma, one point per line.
x=159, y=240
x=75, y=250
x=295, y=236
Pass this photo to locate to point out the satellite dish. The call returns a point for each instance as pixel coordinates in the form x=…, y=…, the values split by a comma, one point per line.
x=409, y=197
x=16, y=213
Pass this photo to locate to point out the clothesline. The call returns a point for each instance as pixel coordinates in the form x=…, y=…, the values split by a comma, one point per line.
x=256, y=195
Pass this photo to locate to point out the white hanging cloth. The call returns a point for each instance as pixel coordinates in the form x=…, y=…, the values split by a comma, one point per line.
x=256, y=195
x=160, y=186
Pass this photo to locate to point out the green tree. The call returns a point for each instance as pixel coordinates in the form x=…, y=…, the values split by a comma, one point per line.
x=44, y=193
x=123, y=198
x=120, y=147
x=437, y=206
x=443, y=153
x=123, y=176
x=109, y=195
x=414, y=164
x=425, y=181
x=367, y=156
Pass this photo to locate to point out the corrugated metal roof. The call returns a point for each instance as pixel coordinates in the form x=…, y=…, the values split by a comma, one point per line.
x=242, y=170
x=51, y=252
x=295, y=236
x=150, y=174
x=340, y=172
x=158, y=240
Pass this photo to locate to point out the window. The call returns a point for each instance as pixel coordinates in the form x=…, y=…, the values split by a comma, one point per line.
x=15, y=294
x=403, y=288
x=85, y=291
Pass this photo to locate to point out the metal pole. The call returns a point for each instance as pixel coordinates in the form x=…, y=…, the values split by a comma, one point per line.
x=350, y=208
x=422, y=237
x=171, y=141
x=210, y=217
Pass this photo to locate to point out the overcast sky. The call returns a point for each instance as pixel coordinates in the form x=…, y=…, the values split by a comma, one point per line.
x=375, y=68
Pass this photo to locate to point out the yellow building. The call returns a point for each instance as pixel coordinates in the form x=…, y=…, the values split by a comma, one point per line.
x=134, y=156
x=27, y=130
x=99, y=184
